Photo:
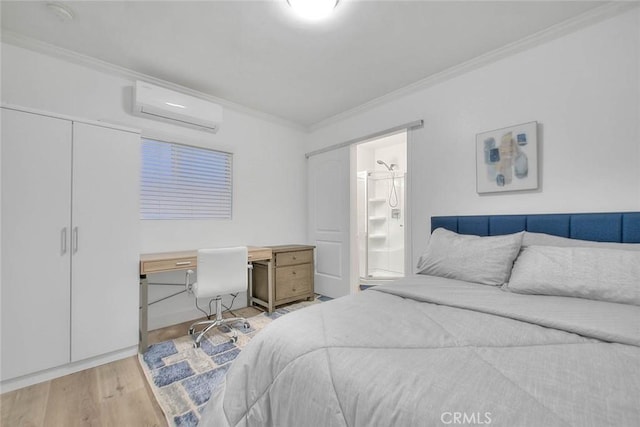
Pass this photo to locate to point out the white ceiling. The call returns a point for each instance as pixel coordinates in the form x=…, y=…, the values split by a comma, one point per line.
x=257, y=54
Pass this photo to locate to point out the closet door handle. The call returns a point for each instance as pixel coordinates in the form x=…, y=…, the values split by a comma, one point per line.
x=63, y=241
x=75, y=239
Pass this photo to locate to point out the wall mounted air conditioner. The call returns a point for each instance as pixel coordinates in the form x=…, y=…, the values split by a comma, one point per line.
x=155, y=102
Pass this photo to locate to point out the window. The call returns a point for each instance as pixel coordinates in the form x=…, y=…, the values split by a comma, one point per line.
x=183, y=182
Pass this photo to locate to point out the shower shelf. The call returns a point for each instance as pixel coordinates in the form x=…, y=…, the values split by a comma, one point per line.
x=378, y=200
x=377, y=236
x=377, y=218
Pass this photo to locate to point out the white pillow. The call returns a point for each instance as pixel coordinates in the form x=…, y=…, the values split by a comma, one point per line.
x=593, y=273
x=542, y=239
x=485, y=260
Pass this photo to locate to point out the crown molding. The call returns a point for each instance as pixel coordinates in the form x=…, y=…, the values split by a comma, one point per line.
x=588, y=18
x=32, y=44
x=568, y=26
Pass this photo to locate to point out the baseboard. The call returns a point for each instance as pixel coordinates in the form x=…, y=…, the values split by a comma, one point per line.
x=70, y=368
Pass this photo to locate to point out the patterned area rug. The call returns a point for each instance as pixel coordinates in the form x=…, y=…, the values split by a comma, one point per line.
x=182, y=377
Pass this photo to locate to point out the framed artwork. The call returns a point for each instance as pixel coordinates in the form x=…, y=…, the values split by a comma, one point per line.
x=507, y=159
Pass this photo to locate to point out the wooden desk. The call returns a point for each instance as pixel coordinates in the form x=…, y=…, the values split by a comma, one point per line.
x=185, y=260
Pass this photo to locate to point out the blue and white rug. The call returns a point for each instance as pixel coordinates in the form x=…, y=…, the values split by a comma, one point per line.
x=182, y=377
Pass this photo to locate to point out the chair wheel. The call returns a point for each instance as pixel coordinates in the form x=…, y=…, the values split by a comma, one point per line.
x=196, y=344
x=247, y=325
x=233, y=339
x=191, y=331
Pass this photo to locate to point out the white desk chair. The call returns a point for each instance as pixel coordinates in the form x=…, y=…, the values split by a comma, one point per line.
x=221, y=271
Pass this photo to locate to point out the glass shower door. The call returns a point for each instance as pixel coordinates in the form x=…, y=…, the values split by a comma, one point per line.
x=385, y=225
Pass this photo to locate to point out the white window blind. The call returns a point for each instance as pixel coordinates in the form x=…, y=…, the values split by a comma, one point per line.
x=183, y=182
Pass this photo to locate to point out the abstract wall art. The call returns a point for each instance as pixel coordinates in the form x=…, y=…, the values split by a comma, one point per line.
x=507, y=159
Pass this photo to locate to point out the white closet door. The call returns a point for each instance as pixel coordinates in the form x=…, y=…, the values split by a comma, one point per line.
x=105, y=240
x=329, y=216
x=36, y=213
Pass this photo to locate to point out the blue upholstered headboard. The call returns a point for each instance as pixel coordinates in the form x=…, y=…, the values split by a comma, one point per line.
x=621, y=227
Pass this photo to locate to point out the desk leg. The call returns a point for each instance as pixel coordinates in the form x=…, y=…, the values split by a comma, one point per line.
x=270, y=291
x=250, y=290
x=144, y=308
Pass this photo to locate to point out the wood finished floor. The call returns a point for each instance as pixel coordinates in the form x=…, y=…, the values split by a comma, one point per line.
x=115, y=394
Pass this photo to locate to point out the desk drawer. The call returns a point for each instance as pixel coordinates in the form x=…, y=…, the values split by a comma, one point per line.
x=293, y=281
x=167, y=265
x=292, y=258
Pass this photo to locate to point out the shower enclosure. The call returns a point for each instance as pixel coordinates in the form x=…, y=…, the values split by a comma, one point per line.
x=381, y=213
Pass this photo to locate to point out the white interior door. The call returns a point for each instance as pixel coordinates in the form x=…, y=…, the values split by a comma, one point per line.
x=36, y=219
x=329, y=220
x=106, y=170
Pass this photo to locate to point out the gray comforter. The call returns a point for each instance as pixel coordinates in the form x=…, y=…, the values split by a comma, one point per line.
x=428, y=351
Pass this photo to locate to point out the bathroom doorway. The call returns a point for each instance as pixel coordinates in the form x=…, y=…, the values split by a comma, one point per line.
x=381, y=208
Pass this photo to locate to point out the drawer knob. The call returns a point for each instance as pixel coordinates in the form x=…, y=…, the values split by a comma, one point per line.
x=294, y=257
x=293, y=272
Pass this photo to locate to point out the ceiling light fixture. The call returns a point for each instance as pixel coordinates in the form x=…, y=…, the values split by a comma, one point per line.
x=313, y=10
x=63, y=12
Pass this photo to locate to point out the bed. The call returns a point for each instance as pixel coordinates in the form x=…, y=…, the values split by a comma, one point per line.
x=431, y=350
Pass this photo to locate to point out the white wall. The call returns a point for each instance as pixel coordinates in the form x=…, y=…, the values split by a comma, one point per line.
x=269, y=205
x=583, y=89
